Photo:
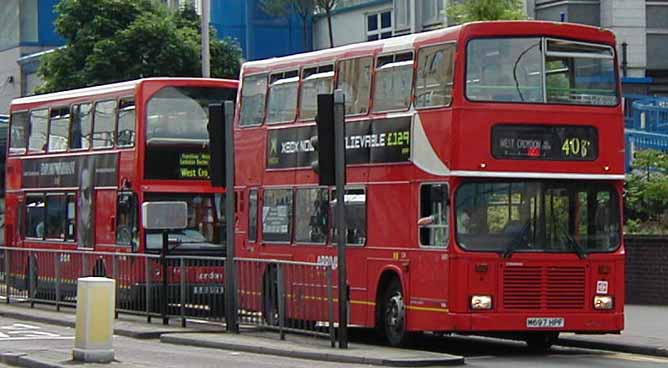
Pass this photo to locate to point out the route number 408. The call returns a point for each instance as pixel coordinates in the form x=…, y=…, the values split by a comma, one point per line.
x=577, y=147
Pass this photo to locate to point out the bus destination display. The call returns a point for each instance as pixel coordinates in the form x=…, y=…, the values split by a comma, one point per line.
x=538, y=142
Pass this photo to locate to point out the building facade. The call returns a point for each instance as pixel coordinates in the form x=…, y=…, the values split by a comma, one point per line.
x=26, y=27
x=641, y=27
x=367, y=20
x=27, y=31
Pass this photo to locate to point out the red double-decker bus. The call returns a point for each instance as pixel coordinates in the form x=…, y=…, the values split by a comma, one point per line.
x=80, y=163
x=485, y=166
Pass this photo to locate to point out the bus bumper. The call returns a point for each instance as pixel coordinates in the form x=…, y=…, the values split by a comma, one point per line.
x=607, y=322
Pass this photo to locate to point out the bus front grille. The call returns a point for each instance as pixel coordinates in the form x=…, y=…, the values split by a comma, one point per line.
x=548, y=287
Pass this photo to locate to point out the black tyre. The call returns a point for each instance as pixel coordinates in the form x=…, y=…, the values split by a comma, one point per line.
x=393, y=315
x=541, y=341
x=270, y=297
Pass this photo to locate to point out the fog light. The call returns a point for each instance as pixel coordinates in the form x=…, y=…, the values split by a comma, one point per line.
x=481, y=302
x=603, y=302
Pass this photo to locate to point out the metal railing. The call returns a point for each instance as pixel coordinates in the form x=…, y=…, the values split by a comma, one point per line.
x=285, y=296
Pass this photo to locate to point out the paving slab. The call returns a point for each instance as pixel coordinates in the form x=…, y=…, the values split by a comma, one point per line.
x=315, y=349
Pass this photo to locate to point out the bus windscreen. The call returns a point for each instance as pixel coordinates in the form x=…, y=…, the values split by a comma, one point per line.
x=177, y=139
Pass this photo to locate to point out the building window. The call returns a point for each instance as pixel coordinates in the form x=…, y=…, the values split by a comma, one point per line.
x=379, y=25
x=432, y=12
x=402, y=15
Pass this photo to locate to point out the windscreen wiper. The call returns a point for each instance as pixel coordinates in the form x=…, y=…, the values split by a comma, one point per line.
x=581, y=252
x=517, y=61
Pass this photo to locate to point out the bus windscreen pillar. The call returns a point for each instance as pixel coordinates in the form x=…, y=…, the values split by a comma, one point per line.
x=96, y=300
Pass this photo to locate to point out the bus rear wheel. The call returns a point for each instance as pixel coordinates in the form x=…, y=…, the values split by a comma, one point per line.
x=393, y=315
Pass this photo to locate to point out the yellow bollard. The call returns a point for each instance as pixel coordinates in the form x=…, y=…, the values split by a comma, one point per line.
x=96, y=300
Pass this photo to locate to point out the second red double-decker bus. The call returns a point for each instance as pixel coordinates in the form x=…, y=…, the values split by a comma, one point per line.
x=485, y=173
x=80, y=164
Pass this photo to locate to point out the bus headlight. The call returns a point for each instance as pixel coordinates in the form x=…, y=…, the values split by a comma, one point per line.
x=479, y=302
x=604, y=302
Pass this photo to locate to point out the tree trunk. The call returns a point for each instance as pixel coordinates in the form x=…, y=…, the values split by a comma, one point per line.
x=329, y=23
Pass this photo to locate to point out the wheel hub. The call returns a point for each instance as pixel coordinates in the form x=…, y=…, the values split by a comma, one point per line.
x=396, y=312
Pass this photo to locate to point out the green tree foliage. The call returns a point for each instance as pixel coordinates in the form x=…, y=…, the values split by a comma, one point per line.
x=117, y=40
x=474, y=10
x=647, y=193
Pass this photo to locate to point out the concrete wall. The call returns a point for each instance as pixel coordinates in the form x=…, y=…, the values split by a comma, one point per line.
x=627, y=18
x=9, y=68
x=647, y=270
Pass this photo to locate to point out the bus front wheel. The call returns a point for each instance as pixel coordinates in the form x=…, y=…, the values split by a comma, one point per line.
x=393, y=315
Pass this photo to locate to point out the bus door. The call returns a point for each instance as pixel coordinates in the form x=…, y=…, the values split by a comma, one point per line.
x=429, y=272
x=105, y=217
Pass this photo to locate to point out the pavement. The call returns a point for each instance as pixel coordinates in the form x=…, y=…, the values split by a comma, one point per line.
x=646, y=333
x=208, y=335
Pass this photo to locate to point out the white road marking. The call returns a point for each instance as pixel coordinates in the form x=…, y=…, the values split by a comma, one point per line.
x=22, y=331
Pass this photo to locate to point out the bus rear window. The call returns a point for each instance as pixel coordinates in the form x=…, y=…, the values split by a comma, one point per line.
x=540, y=70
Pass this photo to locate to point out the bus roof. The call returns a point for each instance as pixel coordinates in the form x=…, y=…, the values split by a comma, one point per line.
x=102, y=89
x=458, y=33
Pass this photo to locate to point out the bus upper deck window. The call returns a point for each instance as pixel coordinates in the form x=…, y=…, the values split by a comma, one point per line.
x=355, y=81
x=394, y=79
x=253, y=93
x=38, y=129
x=104, y=124
x=59, y=124
x=282, y=105
x=18, y=137
x=315, y=81
x=82, y=126
x=125, y=135
x=435, y=70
